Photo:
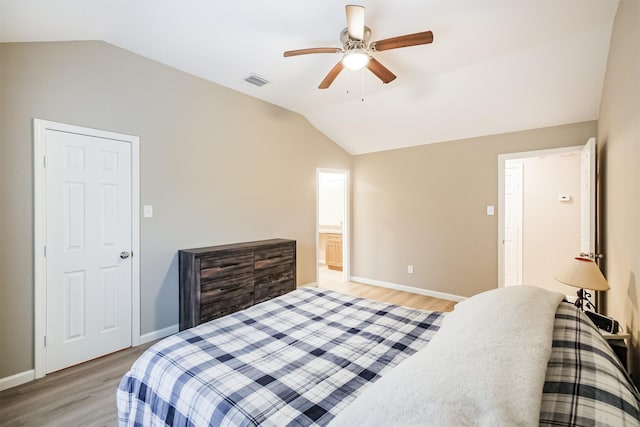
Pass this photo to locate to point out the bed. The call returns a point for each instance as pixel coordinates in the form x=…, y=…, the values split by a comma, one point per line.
x=312, y=357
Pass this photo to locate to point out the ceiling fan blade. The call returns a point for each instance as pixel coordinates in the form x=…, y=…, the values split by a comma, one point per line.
x=380, y=71
x=355, y=21
x=331, y=76
x=425, y=37
x=312, y=50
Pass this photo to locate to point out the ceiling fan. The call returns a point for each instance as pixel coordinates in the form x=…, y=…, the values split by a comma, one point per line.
x=357, y=49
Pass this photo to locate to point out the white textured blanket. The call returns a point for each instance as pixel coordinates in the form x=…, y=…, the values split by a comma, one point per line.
x=485, y=367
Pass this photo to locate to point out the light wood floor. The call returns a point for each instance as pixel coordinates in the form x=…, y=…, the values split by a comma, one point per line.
x=84, y=395
x=330, y=279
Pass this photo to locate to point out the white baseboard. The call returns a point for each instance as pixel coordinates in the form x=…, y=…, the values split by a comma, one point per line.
x=26, y=376
x=419, y=291
x=17, y=379
x=308, y=285
x=160, y=333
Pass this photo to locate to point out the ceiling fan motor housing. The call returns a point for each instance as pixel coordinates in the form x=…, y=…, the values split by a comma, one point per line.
x=349, y=44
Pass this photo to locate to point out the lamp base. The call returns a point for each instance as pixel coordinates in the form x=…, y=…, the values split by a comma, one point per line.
x=583, y=301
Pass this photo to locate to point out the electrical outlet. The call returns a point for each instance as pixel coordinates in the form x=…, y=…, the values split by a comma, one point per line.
x=410, y=269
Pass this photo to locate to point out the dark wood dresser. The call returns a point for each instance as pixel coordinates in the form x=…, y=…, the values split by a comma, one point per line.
x=219, y=280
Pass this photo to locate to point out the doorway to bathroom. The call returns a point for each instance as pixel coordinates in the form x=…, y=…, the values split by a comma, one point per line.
x=332, y=220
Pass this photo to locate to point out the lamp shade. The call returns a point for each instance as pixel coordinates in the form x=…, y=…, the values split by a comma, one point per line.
x=583, y=273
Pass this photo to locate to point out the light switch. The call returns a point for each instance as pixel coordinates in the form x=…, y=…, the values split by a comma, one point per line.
x=490, y=210
x=148, y=211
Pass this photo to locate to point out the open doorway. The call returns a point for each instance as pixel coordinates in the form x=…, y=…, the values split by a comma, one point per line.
x=332, y=219
x=540, y=215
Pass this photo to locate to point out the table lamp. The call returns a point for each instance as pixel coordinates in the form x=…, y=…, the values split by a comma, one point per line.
x=583, y=273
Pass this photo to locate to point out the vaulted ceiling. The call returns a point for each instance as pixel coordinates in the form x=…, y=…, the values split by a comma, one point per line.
x=495, y=66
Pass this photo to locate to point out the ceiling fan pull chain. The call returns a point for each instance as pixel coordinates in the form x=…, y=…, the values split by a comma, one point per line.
x=362, y=84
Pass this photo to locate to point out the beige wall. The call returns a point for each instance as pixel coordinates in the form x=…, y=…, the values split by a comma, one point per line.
x=426, y=206
x=216, y=165
x=551, y=229
x=619, y=150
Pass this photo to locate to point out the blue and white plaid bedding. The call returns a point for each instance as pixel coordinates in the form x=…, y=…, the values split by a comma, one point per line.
x=296, y=360
x=585, y=384
x=299, y=359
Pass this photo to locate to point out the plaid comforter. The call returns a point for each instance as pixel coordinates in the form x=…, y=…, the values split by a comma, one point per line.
x=294, y=360
x=585, y=384
x=299, y=359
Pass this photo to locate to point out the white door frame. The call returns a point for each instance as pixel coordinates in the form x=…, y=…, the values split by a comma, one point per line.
x=345, y=223
x=39, y=232
x=502, y=158
x=515, y=210
x=588, y=214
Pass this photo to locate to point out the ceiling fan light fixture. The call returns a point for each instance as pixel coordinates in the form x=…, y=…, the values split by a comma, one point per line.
x=357, y=47
x=355, y=59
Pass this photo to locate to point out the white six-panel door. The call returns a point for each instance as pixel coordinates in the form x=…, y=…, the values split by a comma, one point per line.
x=88, y=247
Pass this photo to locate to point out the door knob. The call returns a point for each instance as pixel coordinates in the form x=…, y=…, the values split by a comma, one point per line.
x=124, y=254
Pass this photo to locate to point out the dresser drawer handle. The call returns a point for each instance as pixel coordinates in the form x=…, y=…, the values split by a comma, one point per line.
x=233, y=264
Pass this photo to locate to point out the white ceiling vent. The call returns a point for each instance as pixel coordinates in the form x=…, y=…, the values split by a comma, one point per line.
x=255, y=79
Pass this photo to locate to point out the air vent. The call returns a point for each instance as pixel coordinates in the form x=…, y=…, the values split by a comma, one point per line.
x=255, y=79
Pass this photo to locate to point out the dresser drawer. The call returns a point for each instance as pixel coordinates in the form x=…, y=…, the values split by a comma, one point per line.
x=270, y=257
x=274, y=281
x=220, y=287
x=222, y=307
x=273, y=290
x=226, y=265
x=273, y=275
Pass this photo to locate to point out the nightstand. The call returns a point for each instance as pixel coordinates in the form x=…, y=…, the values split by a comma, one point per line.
x=618, y=343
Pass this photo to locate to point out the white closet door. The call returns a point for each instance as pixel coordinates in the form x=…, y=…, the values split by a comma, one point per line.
x=88, y=240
